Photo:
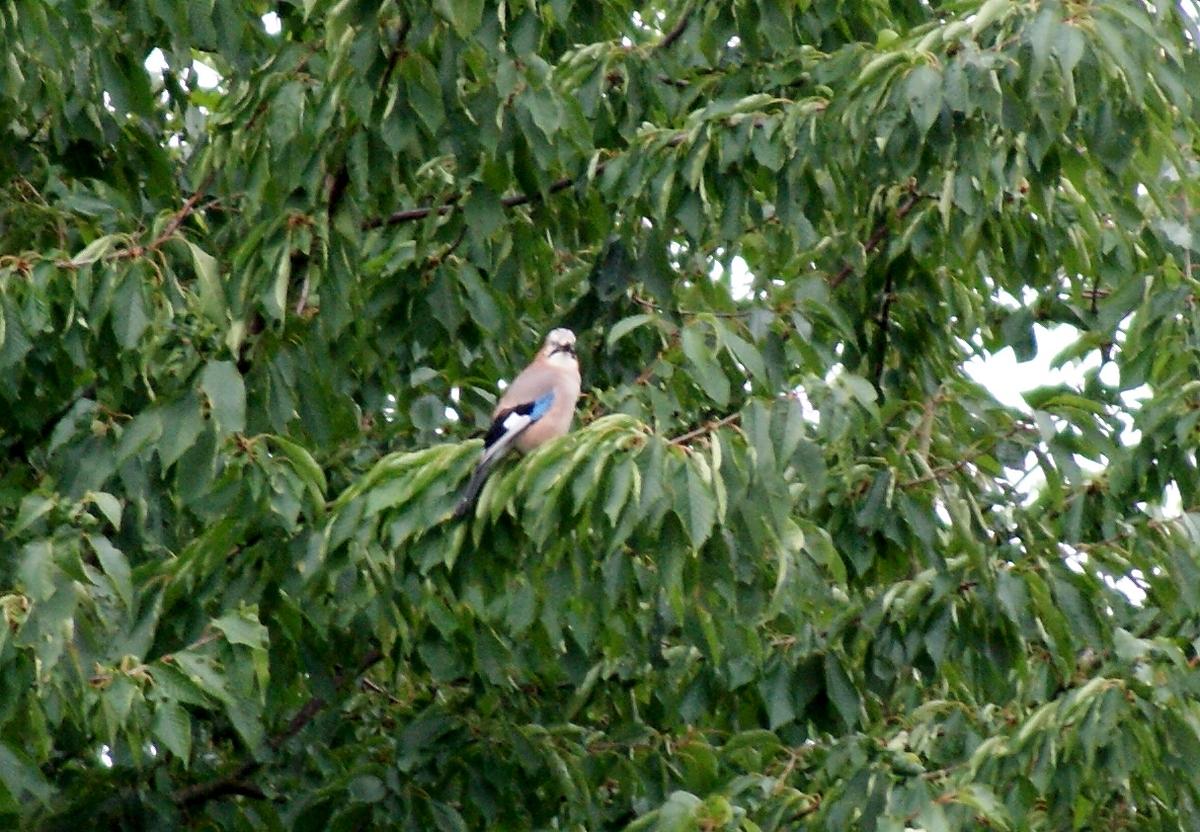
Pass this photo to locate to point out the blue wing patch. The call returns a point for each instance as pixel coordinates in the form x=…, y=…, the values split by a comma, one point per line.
x=516, y=419
x=541, y=405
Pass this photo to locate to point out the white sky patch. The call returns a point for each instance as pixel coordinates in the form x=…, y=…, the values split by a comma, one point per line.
x=1007, y=379
x=1132, y=586
x=206, y=77
x=741, y=280
x=272, y=25
x=155, y=62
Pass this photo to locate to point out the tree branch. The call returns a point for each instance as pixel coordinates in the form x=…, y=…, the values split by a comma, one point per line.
x=969, y=456
x=233, y=782
x=706, y=428
x=398, y=52
x=451, y=203
x=877, y=238
x=885, y=326
x=171, y=227
x=511, y=201
x=677, y=30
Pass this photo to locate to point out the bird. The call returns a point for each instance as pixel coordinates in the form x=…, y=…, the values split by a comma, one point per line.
x=538, y=406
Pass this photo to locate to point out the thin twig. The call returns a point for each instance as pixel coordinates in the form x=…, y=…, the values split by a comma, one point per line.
x=876, y=239
x=452, y=202
x=677, y=30
x=1151, y=524
x=171, y=227
x=706, y=428
x=233, y=782
x=968, y=457
x=885, y=326
x=651, y=306
x=398, y=52
x=375, y=688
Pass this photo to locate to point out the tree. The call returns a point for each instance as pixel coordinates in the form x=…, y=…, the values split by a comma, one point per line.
x=790, y=571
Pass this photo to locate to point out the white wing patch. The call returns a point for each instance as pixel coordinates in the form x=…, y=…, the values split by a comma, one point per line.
x=513, y=424
x=516, y=422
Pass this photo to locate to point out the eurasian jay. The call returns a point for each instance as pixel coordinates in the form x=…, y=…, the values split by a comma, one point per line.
x=537, y=407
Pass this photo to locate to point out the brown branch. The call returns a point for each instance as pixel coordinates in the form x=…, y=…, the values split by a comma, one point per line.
x=233, y=782
x=651, y=306
x=1153, y=524
x=706, y=428
x=971, y=454
x=511, y=201
x=375, y=688
x=410, y=214
x=398, y=52
x=451, y=203
x=876, y=239
x=185, y=211
x=437, y=259
x=885, y=327
x=677, y=30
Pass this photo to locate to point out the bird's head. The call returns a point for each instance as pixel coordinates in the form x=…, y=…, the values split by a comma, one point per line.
x=560, y=346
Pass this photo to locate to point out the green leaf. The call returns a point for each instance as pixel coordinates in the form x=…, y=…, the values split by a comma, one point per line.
x=95, y=250
x=243, y=627
x=704, y=367
x=173, y=728
x=33, y=507
x=480, y=302
x=463, y=15
x=115, y=565
x=210, y=293
x=22, y=778
x=138, y=435
x=1041, y=36
x=109, y=506
x=366, y=788
x=1017, y=330
x=303, y=462
x=428, y=412
x=1069, y=43
x=484, y=212
x=129, y=311
x=222, y=384
x=878, y=500
x=841, y=692
x=745, y=354
x=923, y=90
x=286, y=114
x=182, y=422
x=989, y=13
x=624, y=326
x=695, y=503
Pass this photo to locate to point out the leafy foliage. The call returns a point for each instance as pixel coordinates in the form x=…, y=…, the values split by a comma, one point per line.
x=789, y=573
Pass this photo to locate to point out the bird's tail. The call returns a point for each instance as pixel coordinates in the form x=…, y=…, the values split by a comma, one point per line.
x=471, y=493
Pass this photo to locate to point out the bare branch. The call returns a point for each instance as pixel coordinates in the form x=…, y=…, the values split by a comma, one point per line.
x=878, y=236
x=234, y=782
x=677, y=30
x=705, y=429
